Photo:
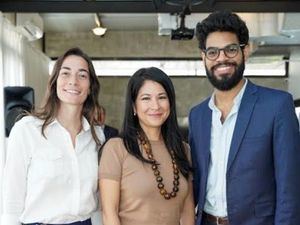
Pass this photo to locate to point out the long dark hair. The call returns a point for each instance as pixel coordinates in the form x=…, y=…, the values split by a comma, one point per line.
x=170, y=129
x=48, y=111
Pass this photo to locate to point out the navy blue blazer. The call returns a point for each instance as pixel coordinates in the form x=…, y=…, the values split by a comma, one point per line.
x=263, y=170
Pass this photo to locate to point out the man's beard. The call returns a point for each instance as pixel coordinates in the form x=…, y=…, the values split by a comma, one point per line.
x=226, y=82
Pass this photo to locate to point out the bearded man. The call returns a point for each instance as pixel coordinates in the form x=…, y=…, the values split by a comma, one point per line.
x=244, y=139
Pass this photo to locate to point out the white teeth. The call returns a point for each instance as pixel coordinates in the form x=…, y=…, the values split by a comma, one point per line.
x=72, y=91
x=223, y=67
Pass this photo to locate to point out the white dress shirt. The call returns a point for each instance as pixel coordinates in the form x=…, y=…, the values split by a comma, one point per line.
x=221, y=135
x=47, y=180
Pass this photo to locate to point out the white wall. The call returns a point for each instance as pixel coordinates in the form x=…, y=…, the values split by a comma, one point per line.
x=36, y=71
x=21, y=64
x=2, y=139
x=294, y=73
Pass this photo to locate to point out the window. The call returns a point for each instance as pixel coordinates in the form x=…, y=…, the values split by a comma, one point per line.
x=256, y=66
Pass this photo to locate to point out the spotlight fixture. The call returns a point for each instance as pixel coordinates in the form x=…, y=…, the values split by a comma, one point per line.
x=182, y=33
x=159, y=4
x=98, y=30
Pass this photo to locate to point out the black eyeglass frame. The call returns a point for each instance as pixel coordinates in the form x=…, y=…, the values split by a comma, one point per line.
x=240, y=46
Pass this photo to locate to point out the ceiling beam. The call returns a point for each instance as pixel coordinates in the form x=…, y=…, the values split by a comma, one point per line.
x=144, y=6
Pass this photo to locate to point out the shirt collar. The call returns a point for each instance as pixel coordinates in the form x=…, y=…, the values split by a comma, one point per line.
x=236, y=101
x=85, y=124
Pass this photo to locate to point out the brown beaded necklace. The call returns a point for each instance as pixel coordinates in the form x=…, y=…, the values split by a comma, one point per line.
x=148, y=149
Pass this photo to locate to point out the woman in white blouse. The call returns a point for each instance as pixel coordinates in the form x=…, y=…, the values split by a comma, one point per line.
x=50, y=175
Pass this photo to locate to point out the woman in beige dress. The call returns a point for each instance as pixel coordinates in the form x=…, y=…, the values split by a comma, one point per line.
x=145, y=175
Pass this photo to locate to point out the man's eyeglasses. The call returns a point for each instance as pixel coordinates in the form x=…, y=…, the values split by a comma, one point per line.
x=212, y=53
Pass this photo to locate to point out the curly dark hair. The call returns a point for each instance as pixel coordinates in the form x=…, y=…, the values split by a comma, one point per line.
x=222, y=21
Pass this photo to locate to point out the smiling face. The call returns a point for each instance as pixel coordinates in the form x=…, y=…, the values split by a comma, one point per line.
x=73, y=82
x=152, y=105
x=224, y=73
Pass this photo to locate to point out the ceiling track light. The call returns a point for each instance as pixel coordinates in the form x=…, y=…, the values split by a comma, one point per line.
x=158, y=4
x=98, y=30
x=183, y=33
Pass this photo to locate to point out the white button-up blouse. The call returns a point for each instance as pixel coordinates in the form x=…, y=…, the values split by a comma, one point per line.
x=47, y=180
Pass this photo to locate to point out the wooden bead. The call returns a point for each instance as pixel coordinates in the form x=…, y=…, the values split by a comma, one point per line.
x=162, y=191
x=159, y=179
x=154, y=167
x=160, y=185
x=167, y=196
x=173, y=194
x=175, y=189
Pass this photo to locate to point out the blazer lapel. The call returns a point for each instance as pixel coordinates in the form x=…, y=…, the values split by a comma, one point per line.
x=206, y=134
x=243, y=118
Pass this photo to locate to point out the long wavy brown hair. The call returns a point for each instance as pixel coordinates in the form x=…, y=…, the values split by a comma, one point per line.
x=48, y=110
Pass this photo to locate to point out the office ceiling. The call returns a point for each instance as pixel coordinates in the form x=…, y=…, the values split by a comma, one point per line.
x=78, y=16
x=148, y=6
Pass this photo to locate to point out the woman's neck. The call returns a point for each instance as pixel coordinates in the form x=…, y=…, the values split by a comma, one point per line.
x=153, y=134
x=70, y=119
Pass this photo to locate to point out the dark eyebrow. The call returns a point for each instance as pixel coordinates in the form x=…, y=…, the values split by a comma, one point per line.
x=68, y=68
x=142, y=94
x=84, y=70
x=65, y=67
x=163, y=93
x=223, y=46
x=159, y=94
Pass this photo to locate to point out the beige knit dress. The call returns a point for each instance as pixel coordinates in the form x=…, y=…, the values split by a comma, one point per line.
x=140, y=200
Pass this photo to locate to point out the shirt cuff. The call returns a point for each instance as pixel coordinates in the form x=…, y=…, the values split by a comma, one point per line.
x=10, y=219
